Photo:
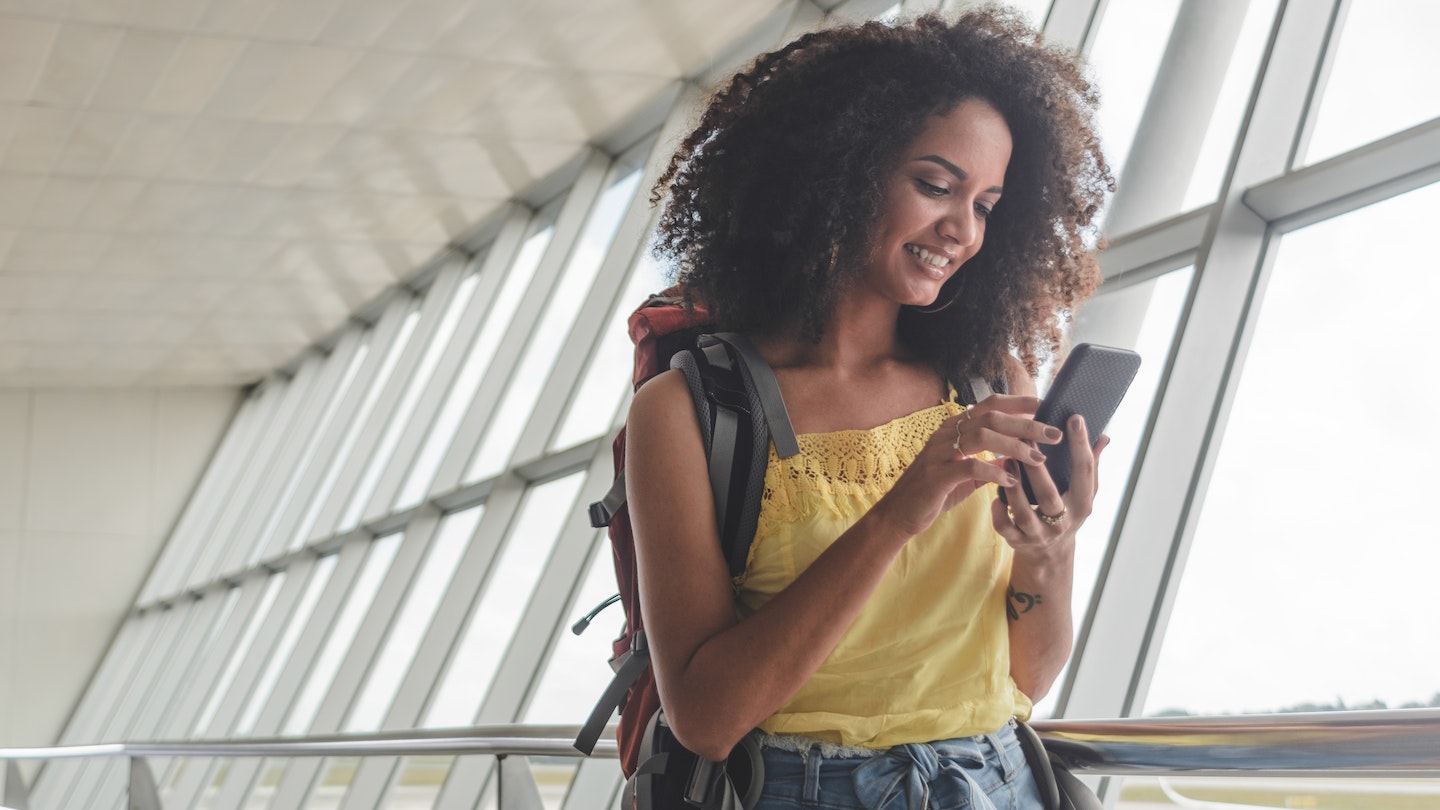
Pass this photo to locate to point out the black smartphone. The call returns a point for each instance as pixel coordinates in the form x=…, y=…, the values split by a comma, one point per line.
x=1091, y=383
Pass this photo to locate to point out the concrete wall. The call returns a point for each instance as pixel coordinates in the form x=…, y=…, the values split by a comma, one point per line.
x=91, y=482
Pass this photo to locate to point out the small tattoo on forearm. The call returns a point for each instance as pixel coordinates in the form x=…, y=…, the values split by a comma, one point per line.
x=1017, y=603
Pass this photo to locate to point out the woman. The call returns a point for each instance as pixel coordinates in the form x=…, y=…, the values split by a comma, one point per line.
x=885, y=212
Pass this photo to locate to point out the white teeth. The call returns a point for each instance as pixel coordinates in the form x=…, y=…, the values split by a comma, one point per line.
x=932, y=259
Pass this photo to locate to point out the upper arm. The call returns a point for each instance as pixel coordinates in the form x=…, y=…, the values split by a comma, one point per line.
x=685, y=589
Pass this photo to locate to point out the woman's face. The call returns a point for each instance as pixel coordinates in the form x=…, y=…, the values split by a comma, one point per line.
x=937, y=201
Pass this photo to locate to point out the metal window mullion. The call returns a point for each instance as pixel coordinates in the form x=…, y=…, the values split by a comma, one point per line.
x=1115, y=656
x=544, y=622
x=241, y=779
x=1182, y=99
x=432, y=311
x=262, y=466
x=138, y=687
x=491, y=274
x=1073, y=23
x=99, y=696
x=308, y=489
x=302, y=427
x=1378, y=170
x=444, y=291
x=594, y=787
x=198, y=773
x=196, y=568
x=184, y=542
x=199, y=569
x=541, y=627
x=562, y=379
x=611, y=280
x=442, y=640
x=1172, y=243
x=169, y=673
x=568, y=225
x=272, y=539
x=181, y=722
x=340, y=697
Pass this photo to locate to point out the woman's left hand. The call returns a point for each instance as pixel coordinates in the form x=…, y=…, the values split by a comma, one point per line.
x=1055, y=516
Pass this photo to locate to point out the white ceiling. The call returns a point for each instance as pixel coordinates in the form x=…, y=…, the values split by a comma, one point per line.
x=193, y=190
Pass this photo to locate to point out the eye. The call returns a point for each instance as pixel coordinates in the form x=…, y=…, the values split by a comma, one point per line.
x=931, y=189
x=982, y=211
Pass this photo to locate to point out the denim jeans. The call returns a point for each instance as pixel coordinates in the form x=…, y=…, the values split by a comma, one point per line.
x=982, y=772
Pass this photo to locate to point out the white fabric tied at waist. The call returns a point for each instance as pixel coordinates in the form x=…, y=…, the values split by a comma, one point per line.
x=906, y=776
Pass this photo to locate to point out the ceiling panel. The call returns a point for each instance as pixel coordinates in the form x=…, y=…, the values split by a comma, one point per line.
x=193, y=191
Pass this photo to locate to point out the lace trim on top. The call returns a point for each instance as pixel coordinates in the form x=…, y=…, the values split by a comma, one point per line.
x=846, y=471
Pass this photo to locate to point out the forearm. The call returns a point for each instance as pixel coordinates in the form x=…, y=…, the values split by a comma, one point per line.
x=1038, y=610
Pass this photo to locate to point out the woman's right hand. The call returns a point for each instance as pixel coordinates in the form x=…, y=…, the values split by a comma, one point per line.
x=948, y=470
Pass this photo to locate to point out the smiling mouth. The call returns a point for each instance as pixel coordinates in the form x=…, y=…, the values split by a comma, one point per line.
x=939, y=261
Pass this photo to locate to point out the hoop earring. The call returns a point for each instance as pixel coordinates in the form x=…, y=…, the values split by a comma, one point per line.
x=932, y=309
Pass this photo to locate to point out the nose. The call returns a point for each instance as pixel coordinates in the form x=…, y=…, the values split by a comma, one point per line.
x=961, y=226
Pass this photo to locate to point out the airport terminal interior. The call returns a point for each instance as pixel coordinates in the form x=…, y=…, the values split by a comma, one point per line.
x=312, y=349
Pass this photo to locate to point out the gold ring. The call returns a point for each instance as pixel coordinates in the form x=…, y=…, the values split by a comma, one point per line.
x=1050, y=520
x=958, y=423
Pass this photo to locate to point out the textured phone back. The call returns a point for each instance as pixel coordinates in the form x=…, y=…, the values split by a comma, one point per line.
x=1091, y=383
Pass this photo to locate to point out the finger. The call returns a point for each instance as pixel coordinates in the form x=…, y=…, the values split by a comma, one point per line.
x=1009, y=403
x=1100, y=444
x=986, y=440
x=1022, y=427
x=987, y=472
x=1047, y=494
x=1000, y=518
x=1082, y=464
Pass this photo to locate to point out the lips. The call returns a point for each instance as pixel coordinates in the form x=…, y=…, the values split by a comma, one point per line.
x=937, y=262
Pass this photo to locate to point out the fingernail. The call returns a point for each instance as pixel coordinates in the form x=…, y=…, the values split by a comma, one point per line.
x=1053, y=433
x=1010, y=481
x=1077, y=422
x=1037, y=457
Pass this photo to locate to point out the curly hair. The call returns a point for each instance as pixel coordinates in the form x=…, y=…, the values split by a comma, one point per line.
x=776, y=193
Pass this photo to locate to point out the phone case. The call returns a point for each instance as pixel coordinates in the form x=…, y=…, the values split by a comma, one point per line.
x=1091, y=383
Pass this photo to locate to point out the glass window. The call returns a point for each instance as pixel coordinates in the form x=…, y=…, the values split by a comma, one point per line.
x=467, y=381
x=342, y=635
x=1309, y=577
x=1127, y=50
x=577, y=674
x=241, y=652
x=548, y=338
x=278, y=656
x=1235, y=93
x=609, y=375
x=400, y=419
x=507, y=592
x=1160, y=301
x=414, y=619
x=312, y=445
x=1381, y=80
x=352, y=434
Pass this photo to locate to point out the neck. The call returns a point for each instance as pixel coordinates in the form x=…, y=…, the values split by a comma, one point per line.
x=860, y=333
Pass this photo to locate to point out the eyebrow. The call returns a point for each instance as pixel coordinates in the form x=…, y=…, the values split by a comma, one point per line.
x=957, y=171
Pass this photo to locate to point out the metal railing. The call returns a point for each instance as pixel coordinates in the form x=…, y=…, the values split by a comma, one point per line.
x=1370, y=744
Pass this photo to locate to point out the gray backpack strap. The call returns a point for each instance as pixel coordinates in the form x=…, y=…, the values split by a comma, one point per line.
x=767, y=389
x=979, y=389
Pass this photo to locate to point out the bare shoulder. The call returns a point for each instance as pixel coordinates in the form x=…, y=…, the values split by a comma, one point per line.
x=662, y=401
x=1017, y=378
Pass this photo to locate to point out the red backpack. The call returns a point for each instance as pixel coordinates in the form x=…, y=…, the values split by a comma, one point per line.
x=738, y=403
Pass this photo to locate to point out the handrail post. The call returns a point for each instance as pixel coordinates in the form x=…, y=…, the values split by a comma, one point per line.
x=517, y=787
x=143, y=793
x=16, y=796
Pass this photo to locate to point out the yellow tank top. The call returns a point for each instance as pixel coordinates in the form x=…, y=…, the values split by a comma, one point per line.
x=928, y=658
